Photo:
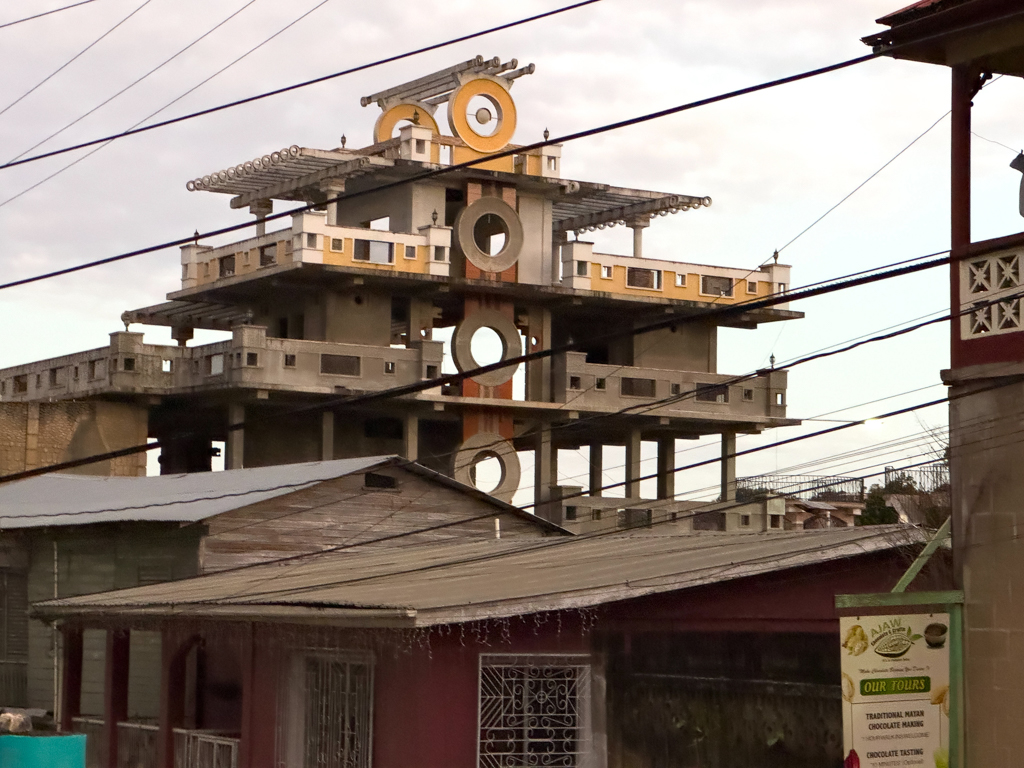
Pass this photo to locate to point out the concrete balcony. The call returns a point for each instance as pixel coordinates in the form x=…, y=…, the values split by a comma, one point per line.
x=312, y=240
x=587, y=386
x=583, y=269
x=249, y=360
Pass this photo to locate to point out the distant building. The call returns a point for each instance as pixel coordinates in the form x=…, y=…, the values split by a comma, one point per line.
x=64, y=535
x=630, y=649
x=346, y=299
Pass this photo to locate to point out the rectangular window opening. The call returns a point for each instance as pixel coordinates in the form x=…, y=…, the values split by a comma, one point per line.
x=128, y=365
x=712, y=393
x=389, y=366
x=744, y=520
x=311, y=240
x=516, y=690
x=581, y=269
x=574, y=382
x=601, y=384
x=606, y=273
x=780, y=398
x=421, y=146
x=431, y=371
x=643, y=278
x=340, y=365
x=676, y=389
x=337, y=244
x=751, y=286
x=748, y=395
x=680, y=280
x=252, y=358
x=712, y=285
x=410, y=252
x=289, y=361
x=268, y=255
x=227, y=266
x=631, y=387
x=440, y=253
x=374, y=251
x=167, y=366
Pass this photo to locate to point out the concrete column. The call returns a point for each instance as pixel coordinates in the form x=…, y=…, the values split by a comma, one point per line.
x=32, y=436
x=115, y=690
x=327, y=436
x=728, y=466
x=633, y=464
x=261, y=209
x=411, y=437
x=542, y=477
x=667, y=468
x=596, y=468
x=234, y=446
x=538, y=372
x=638, y=226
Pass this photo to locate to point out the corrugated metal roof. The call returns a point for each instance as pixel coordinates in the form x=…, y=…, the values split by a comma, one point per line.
x=60, y=499
x=435, y=583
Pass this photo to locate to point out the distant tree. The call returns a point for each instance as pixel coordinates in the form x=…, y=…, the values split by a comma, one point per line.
x=876, y=511
x=901, y=483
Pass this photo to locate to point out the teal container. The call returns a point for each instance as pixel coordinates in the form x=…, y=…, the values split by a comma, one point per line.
x=42, y=751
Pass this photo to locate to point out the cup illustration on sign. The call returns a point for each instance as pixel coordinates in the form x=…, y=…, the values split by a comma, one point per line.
x=935, y=635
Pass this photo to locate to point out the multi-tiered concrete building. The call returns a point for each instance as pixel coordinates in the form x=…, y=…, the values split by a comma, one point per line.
x=347, y=298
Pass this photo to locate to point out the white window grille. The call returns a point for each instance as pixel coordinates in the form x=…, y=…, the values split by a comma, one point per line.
x=327, y=710
x=991, y=288
x=534, y=710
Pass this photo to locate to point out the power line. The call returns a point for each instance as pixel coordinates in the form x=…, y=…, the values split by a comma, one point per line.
x=452, y=378
x=304, y=84
x=178, y=98
x=45, y=13
x=135, y=82
x=74, y=58
x=884, y=166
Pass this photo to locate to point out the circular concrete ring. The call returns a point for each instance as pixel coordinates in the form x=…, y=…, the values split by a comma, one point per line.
x=412, y=111
x=504, y=108
x=485, y=445
x=465, y=224
x=462, y=349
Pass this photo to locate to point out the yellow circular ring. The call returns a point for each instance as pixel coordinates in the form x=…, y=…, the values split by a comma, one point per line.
x=494, y=92
x=385, y=125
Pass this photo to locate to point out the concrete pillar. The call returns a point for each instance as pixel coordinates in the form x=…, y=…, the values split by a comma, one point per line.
x=728, y=466
x=234, y=446
x=71, y=678
x=411, y=437
x=327, y=436
x=115, y=690
x=633, y=464
x=638, y=226
x=261, y=209
x=538, y=372
x=542, y=477
x=667, y=468
x=172, y=697
x=596, y=468
x=32, y=436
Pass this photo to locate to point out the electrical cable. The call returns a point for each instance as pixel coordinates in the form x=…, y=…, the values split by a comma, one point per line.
x=296, y=86
x=74, y=58
x=173, y=101
x=723, y=311
x=45, y=13
x=132, y=84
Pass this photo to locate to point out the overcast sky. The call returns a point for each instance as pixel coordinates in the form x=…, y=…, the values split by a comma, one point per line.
x=772, y=162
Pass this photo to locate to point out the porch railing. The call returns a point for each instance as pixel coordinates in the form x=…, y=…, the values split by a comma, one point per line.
x=137, y=746
x=204, y=749
x=95, y=743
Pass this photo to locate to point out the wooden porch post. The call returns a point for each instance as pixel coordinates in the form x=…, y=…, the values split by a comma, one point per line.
x=115, y=689
x=246, y=658
x=71, y=696
x=172, y=695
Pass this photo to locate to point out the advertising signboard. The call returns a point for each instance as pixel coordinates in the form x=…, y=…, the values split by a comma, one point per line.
x=896, y=702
